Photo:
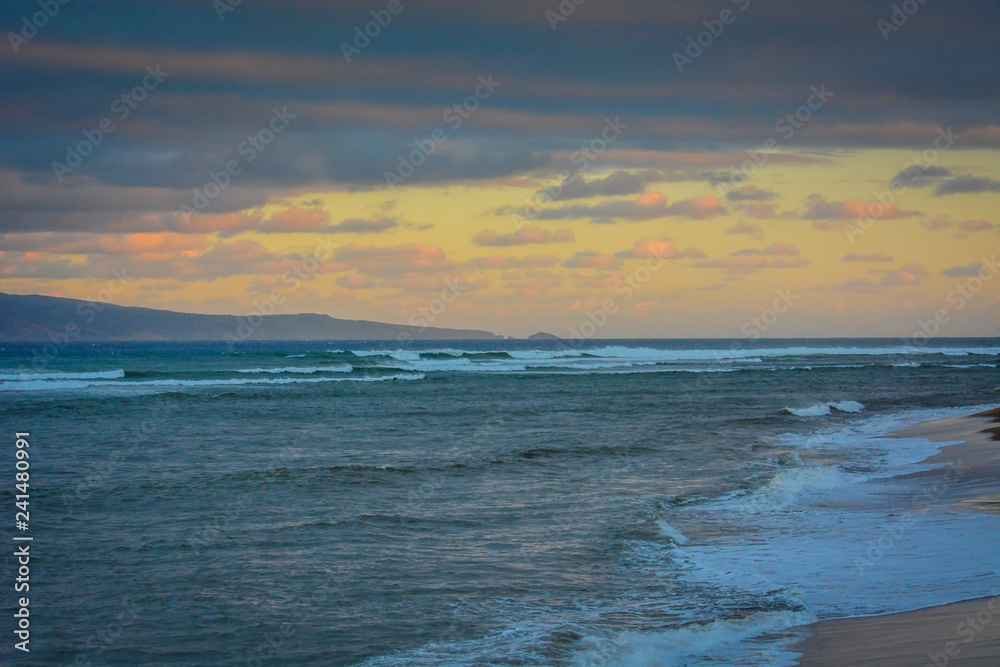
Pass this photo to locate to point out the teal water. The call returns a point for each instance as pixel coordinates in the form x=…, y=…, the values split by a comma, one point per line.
x=508, y=503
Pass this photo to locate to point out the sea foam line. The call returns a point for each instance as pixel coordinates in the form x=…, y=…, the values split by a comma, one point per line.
x=43, y=385
x=305, y=370
x=824, y=409
x=96, y=375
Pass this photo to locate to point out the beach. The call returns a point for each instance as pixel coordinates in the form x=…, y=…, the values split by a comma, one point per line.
x=965, y=633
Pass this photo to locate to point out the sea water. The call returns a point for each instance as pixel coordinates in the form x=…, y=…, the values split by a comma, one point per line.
x=507, y=502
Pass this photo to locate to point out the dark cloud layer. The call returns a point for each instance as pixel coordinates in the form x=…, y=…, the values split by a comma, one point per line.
x=354, y=121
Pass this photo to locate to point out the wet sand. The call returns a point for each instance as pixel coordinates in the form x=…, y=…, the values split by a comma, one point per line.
x=961, y=634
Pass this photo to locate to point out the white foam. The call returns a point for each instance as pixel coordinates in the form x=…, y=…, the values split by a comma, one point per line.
x=55, y=385
x=618, y=351
x=850, y=543
x=399, y=355
x=824, y=409
x=819, y=410
x=677, y=646
x=305, y=370
x=533, y=355
x=97, y=375
x=788, y=485
x=622, y=358
x=672, y=533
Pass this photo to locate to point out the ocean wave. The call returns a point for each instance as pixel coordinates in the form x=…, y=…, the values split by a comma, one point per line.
x=305, y=370
x=399, y=355
x=824, y=409
x=749, y=355
x=672, y=533
x=56, y=385
x=784, y=489
x=96, y=375
x=675, y=646
x=616, y=357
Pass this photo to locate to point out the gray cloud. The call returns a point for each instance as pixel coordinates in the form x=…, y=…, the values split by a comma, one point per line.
x=751, y=193
x=969, y=271
x=618, y=183
x=355, y=119
x=919, y=176
x=967, y=184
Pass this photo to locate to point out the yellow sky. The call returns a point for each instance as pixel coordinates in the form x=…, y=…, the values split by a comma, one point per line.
x=745, y=257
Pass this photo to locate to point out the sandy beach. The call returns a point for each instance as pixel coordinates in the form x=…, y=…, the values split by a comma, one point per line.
x=965, y=633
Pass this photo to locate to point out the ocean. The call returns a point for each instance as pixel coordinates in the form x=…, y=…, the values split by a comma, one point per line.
x=633, y=503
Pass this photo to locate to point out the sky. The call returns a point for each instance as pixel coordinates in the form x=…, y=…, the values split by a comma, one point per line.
x=727, y=168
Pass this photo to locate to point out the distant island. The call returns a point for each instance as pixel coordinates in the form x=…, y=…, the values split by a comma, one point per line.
x=31, y=318
x=541, y=335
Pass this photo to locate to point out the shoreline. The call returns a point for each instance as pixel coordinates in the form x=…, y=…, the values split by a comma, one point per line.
x=960, y=633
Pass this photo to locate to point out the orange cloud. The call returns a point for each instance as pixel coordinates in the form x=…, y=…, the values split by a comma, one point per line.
x=821, y=210
x=976, y=226
x=700, y=208
x=98, y=244
x=911, y=274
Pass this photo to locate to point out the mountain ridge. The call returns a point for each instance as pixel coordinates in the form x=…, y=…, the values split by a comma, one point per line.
x=37, y=318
